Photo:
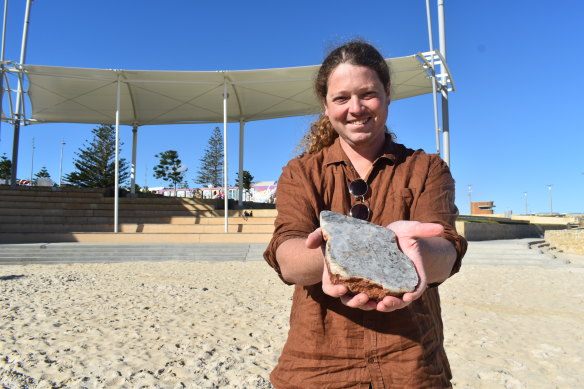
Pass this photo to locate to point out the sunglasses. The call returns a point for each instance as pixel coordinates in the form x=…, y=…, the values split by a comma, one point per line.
x=358, y=189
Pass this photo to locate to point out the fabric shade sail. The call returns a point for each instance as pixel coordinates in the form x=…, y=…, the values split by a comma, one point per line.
x=82, y=95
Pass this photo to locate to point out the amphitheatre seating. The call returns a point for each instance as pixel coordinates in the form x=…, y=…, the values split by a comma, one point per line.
x=41, y=214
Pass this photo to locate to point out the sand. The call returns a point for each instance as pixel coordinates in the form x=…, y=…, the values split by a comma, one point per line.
x=222, y=325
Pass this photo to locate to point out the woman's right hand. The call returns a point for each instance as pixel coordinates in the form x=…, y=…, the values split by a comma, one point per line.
x=360, y=301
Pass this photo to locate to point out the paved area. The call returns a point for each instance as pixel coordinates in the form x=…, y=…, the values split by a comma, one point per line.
x=47, y=253
x=522, y=252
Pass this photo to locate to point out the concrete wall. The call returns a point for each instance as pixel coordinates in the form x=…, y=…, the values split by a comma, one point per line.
x=493, y=231
x=549, y=220
x=569, y=241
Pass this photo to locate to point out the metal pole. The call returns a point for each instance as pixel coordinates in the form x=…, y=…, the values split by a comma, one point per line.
x=19, y=97
x=32, y=161
x=61, y=165
x=225, y=190
x=445, y=121
x=550, y=190
x=470, y=199
x=526, y=207
x=117, y=163
x=434, y=99
x=2, y=59
x=241, y=134
x=133, y=171
x=4, y=29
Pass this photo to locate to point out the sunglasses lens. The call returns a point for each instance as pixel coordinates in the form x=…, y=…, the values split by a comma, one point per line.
x=358, y=188
x=360, y=211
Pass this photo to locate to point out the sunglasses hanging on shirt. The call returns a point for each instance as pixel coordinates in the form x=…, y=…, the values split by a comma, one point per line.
x=358, y=189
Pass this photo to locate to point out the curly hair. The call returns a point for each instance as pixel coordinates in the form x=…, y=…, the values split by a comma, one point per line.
x=357, y=52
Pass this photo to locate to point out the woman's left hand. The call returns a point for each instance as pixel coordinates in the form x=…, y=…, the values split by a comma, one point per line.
x=410, y=238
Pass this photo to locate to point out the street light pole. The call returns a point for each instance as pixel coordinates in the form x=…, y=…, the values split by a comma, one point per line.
x=32, y=162
x=470, y=199
x=550, y=190
x=526, y=208
x=61, y=165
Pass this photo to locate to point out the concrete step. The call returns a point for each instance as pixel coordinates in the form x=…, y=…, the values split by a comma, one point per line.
x=516, y=252
x=107, y=212
x=55, y=198
x=103, y=205
x=85, y=252
x=5, y=190
x=137, y=227
x=56, y=219
x=4, y=211
x=134, y=237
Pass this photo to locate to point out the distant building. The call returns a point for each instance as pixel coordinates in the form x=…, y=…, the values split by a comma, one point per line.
x=481, y=208
x=259, y=192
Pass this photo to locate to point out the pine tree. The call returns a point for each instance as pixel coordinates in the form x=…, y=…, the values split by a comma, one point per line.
x=43, y=173
x=96, y=163
x=246, y=182
x=211, y=170
x=170, y=167
x=5, y=167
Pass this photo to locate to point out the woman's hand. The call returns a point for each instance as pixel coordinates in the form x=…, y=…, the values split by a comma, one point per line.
x=410, y=237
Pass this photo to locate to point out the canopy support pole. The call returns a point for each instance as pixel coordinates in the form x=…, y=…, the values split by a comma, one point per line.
x=117, y=162
x=445, y=119
x=133, y=172
x=225, y=188
x=241, y=138
x=19, y=99
x=433, y=72
x=2, y=59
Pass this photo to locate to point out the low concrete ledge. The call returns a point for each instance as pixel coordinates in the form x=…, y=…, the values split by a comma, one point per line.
x=474, y=231
x=569, y=241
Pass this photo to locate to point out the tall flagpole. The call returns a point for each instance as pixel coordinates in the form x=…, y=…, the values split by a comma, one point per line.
x=19, y=98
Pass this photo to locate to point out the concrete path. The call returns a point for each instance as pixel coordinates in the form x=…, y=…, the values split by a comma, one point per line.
x=495, y=252
x=46, y=253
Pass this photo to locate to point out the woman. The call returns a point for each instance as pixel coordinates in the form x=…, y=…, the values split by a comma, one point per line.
x=352, y=166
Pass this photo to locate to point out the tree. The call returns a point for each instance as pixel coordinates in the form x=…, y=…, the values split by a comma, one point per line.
x=246, y=181
x=211, y=170
x=43, y=173
x=5, y=167
x=96, y=163
x=170, y=168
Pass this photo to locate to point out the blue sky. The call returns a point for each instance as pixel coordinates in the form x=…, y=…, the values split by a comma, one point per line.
x=516, y=116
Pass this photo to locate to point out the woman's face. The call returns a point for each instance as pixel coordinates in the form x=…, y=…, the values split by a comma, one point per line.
x=356, y=105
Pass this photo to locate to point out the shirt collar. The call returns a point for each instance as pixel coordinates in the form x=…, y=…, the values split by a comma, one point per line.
x=335, y=153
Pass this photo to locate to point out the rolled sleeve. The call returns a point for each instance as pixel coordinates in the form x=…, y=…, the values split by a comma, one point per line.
x=297, y=215
x=436, y=205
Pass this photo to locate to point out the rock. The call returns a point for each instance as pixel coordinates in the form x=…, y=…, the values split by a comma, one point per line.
x=365, y=257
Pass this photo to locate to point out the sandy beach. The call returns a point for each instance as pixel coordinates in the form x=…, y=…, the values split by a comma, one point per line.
x=222, y=325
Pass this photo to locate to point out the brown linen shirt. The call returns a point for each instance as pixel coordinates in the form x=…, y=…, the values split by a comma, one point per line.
x=329, y=344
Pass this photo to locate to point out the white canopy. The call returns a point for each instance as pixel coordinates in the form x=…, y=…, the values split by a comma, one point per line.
x=137, y=98
x=81, y=95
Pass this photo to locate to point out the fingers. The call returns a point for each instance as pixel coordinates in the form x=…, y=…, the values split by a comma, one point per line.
x=329, y=288
x=428, y=230
x=413, y=229
x=390, y=303
x=359, y=301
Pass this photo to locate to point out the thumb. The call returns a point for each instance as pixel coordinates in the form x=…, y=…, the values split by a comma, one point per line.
x=315, y=239
x=427, y=230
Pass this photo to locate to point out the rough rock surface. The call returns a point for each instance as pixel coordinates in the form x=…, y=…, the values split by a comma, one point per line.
x=365, y=257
